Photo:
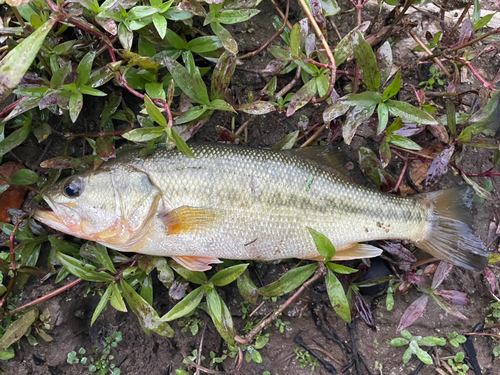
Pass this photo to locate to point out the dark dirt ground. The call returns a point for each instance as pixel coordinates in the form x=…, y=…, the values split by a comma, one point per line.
x=140, y=354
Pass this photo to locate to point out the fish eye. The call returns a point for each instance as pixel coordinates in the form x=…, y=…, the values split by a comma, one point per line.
x=73, y=188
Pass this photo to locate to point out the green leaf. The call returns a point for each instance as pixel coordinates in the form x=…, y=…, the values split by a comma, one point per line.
x=337, y=109
x=410, y=113
x=385, y=152
x=204, y=44
x=160, y=24
x=175, y=40
x=337, y=296
x=482, y=22
x=154, y=112
x=102, y=303
x=383, y=117
x=236, y=16
x=366, y=59
x=338, y=268
x=225, y=37
x=394, y=87
x=432, y=341
x=139, y=12
x=384, y=61
x=424, y=356
x=75, y=105
x=247, y=288
x=191, y=84
x=59, y=75
x=220, y=315
x=365, y=99
x=401, y=141
x=181, y=144
x=228, y=275
x=85, y=272
x=399, y=341
x=256, y=108
x=84, y=68
x=289, y=281
x=17, y=62
x=149, y=262
x=330, y=7
x=15, y=138
x=323, y=244
x=186, y=306
x=191, y=114
x=221, y=105
x=64, y=247
x=192, y=276
x=87, y=90
x=295, y=39
x=147, y=289
x=17, y=329
x=24, y=177
x=354, y=119
x=345, y=47
x=287, y=142
x=116, y=299
x=102, y=255
x=144, y=311
x=144, y=134
x=7, y=354
x=302, y=97
x=254, y=354
x=221, y=76
x=451, y=118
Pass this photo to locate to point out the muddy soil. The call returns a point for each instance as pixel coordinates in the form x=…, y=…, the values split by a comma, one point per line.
x=139, y=353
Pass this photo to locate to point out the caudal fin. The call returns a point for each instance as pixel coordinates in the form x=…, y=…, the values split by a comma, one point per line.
x=449, y=235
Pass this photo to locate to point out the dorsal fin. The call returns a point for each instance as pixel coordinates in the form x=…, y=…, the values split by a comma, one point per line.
x=327, y=156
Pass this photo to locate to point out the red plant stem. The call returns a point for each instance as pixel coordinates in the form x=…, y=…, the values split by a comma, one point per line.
x=474, y=71
x=45, y=297
x=13, y=265
x=488, y=173
x=52, y=6
x=309, y=131
x=474, y=41
x=412, y=152
x=8, y=109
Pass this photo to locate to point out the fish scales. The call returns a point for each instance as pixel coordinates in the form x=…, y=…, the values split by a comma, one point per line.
x=268, y=205
x=242, y=203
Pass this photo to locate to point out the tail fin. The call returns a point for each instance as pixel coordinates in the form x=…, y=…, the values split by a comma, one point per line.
x=449, y=236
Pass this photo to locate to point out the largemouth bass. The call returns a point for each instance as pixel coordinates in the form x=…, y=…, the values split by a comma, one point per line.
x=241, y=203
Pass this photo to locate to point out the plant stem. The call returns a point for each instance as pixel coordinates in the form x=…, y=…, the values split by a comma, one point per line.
x=264, y=322
x=459, y=22
x=436, y=60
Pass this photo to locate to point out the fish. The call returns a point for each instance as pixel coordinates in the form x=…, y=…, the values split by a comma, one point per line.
x=235, y=202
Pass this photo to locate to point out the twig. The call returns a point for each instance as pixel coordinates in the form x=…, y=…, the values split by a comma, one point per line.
x=474, y=41
x=200, y=348
x=424, y=47
x=277, y=34
x=314, y=136
x=209, y=371
x=264, y=322
x=244, y=125
x=285, y=20
x=458, y=23
x=474, y=71
x=290, y=84
x=412, y=152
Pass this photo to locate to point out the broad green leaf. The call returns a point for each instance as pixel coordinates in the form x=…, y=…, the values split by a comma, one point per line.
x=65, y=247
x=366, y=59
x=287, y=142
x=383, y=117
x=385, y=152
x=175, y=40
x=338, y=268
x=17, y=329
x=24, y=177
x=365, y=99
x=149, y=262
x=85, y=272
x=144, y=311
x=330, y=7
x=354, y=119
x=125, y=36
x=256, y=108
x=60, y=75
x=236, y=16
x=345, y=47
x=204, y=44
x=482, y=22
x=323, y=244
x=424, y=356
x=192, y=276
x=144, y=134
x=221, y=76
x=220, y=315
x=116, y=299
x=337, y=109
x=399, y=341
x=289, y=281
x=254, y=354
x=75, y=105
x=84, y=68
x=337, y=296
x=15, y=138
x=160, y=24
x=302, y=97
x=295, y=39
x=7, y=354
x=221, y=105
x=139, y=12
x=322, y=84
x=410, y=113
x=102, y=303
x=154, y=112
x=228, y=275
x=17, y=62
x=186, y=306
x=87, y=90
x=394, y=87
x=147, y=289
x=247, y=288
x=404, y=142
x=384, y=61
x=432, y=341
x=192, y=85
x=102, y=255
x=181, y=144
x=191, y=114
x=225, y=37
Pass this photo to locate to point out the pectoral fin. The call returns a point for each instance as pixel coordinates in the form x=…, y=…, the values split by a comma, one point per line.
x=187, y=219
x=196, y=263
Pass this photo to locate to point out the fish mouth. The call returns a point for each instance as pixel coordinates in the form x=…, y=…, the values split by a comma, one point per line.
x=50, y=218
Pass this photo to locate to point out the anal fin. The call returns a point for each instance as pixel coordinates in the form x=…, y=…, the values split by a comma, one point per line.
x=194, y=263
x=352, y=251
x=188, y=219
